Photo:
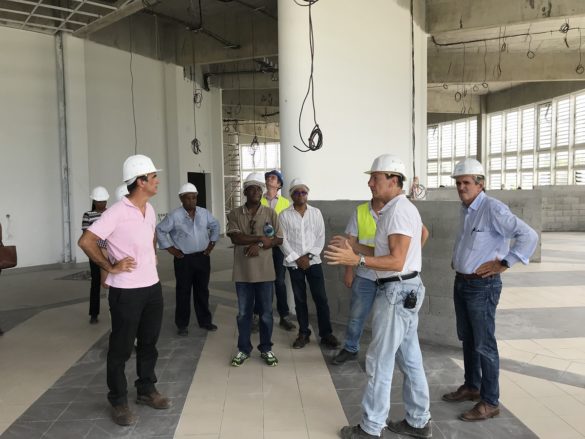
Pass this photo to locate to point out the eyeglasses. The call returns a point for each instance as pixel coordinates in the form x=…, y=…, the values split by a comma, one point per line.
x=252, y=227
x=299, y=193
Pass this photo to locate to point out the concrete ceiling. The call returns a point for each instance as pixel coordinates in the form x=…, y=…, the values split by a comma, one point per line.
x=472, y=43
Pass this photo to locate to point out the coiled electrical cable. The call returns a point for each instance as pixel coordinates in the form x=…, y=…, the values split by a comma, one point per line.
x=315, y=140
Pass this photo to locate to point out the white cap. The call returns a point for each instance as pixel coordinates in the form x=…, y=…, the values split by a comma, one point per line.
x=188, y=188
x=468, y=166
x=121, y=191
x=297, y=183
x=137, y=165
x=255, y=179
x=390, y=164
x=99, y=193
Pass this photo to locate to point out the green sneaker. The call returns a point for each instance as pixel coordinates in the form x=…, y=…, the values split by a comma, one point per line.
x=269, y=358
x=239, y=359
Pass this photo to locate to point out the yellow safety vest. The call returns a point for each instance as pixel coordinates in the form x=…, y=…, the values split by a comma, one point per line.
x=281, y=204
x=366, y=225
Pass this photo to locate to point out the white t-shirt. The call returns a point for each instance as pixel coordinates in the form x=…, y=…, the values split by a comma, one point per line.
x=400, y=217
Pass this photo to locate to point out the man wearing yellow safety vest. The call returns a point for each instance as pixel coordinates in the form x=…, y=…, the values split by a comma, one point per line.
x=360, y=228
x=272, y=199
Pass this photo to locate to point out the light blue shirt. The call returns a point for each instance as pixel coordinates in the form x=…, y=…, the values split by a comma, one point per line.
x=485, y=230
x=190, y=236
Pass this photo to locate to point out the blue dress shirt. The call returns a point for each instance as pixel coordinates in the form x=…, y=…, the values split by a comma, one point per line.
x=485, y=230
x=190, y=236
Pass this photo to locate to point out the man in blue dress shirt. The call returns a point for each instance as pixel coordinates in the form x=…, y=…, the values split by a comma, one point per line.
x=189, y=233
x=482, y=251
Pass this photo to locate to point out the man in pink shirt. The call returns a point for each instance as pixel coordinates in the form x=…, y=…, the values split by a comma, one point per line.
x=135, y=296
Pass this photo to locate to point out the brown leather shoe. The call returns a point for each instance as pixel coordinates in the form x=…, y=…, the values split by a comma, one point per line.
x=122, y=415
x=154, y=400
x=480, y=412
x=463, y=393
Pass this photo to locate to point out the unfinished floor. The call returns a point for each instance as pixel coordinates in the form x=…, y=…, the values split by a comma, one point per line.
x=52, y=383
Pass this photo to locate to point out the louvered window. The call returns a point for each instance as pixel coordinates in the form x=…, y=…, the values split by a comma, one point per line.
x=562, y=177
x=562, y=159
x=448, y=143
x=528, y=130
x=544, y=126
x=512, y=131
x=541, y=144
x=580, y=119
x=433, y=142
x=496, y=134
x=563, y=122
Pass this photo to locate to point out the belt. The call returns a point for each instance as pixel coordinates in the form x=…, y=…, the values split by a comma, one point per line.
x=194, y=254
x=470, y=276
x=407, y=276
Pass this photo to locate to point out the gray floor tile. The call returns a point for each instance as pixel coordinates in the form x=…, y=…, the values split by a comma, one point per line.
x=156, y=426
x=59, y=394
x=44, y=412
x=26, y=430
x=86, y=410
x=68, y=430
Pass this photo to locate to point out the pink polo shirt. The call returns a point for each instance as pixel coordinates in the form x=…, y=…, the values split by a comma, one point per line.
x=129, y=233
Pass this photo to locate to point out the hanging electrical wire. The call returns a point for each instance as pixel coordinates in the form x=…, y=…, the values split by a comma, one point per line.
x=413, y=100
x=315, y=139
x=580, y=69
x=132, y=86
x=254, y=145
x=195, y=143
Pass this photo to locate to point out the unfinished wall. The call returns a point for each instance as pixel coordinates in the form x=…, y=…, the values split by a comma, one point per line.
x=30, y=191
x=100, y=131
x=563, y=208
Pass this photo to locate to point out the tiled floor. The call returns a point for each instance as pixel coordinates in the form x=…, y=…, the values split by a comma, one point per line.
x=53, y=365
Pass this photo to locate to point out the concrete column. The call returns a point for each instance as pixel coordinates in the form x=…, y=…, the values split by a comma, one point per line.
x=77, y=138
x=363, y=91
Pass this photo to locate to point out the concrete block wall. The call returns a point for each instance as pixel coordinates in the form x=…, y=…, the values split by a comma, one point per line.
x=563, y=208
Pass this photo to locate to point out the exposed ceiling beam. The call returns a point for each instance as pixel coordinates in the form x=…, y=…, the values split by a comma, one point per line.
x=444, y=102
x=124, y=11
x=453, y=15
x=504, y=67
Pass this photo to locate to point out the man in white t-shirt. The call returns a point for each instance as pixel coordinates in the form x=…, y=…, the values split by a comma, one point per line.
x=397, y=260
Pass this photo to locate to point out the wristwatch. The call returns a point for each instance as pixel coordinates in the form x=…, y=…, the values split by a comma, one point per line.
x=310, y=256
x=504, y=263
x=260, y=244
x=362, y=262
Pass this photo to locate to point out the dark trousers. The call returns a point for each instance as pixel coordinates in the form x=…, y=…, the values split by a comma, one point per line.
x=279, y=285
x=94, y=291
x=136, y=314
x=248, y=294
x=314, y=275
x=192, y=275
x=475, y=309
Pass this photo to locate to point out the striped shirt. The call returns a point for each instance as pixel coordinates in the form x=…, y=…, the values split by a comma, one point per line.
x=88, y=219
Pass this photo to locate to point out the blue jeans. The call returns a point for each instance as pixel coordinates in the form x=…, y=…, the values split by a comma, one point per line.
x=395, y=339
x=279, y=285
x=314, y=275
x=248, y=293
x=475, y=308
x=363, y=293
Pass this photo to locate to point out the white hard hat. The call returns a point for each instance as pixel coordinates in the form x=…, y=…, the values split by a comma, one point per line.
x=468, y=166
x=297, y=183
x=255, y=179
x=390, y=164
x=121, y=191
x=99, y=193
x=187, y=188
x=137, y=165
